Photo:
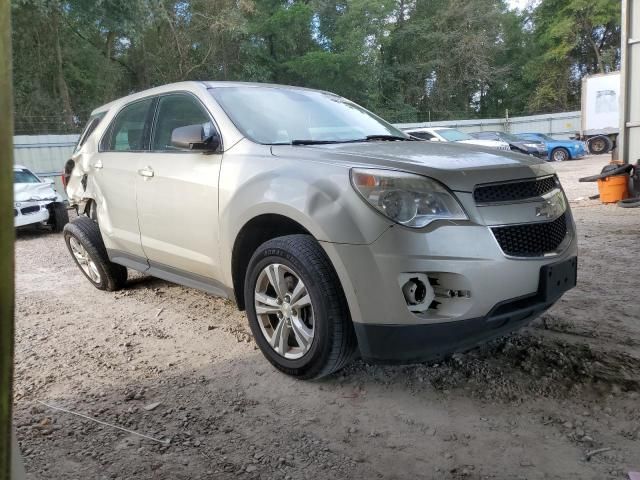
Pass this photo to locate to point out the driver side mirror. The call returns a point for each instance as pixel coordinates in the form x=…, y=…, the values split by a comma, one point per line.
x=200, y=137
x=434, y=139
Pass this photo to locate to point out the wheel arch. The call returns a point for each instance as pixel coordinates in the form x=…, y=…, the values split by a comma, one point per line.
x=254, y=233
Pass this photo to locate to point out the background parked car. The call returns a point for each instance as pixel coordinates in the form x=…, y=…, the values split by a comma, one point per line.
x=559, y=150
x=36, y=201
x=444, y=134
x=530, y=147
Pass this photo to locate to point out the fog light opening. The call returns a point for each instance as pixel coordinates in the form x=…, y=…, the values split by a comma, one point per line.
x=415, y=291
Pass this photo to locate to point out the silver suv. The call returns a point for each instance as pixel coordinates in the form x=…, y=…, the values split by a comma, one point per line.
x=336, y=232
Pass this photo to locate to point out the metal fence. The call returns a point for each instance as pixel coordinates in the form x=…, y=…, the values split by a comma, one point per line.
x=558, y=125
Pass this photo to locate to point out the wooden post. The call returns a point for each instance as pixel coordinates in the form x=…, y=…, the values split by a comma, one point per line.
x=7, y=234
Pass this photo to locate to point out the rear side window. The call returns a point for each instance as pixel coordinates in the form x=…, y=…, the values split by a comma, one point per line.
x=175, y=111
x=128, y=132
x=93, y=122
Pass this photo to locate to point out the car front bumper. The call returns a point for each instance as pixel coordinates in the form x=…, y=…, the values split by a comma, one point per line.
x=28, y=213
x=500, y=293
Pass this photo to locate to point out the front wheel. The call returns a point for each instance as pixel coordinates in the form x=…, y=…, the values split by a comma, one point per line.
x=560, y=155
x=296, y=308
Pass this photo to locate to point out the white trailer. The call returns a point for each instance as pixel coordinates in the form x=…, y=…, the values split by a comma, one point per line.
x=629, y=140
x=600, y=111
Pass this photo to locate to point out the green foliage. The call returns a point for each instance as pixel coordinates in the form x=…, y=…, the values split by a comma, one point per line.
x=410, y=60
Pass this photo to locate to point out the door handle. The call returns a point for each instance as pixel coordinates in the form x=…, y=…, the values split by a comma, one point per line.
x=146, y=172
x=98, y=164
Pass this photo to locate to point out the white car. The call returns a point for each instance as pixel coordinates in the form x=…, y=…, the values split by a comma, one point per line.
x=444, y=134
x=36, y=201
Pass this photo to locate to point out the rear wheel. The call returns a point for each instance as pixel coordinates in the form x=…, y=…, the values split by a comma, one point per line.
x=599, y=145
x=85, y=244
x=560, y=154
x=297, y=311
x=58, y=216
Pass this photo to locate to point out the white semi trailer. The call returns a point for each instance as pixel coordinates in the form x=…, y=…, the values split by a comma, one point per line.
x=600, y=111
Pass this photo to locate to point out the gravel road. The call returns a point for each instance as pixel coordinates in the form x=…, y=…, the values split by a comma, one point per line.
x=559, y=399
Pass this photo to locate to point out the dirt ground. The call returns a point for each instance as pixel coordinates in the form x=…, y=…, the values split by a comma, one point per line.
x=535, y=405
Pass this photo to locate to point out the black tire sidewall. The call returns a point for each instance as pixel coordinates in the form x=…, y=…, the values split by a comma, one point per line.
x=321, y=345
x=60, y=217
x=86, y=231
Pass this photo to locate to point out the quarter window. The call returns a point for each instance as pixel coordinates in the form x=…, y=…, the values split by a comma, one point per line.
x=175, y=111
x=128, y=130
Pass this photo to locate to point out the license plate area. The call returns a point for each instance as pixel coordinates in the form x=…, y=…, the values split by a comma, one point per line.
x=557, y=278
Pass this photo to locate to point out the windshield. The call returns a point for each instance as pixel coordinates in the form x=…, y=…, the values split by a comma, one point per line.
x=452, y=135
x=24, y=176
x=271, y=115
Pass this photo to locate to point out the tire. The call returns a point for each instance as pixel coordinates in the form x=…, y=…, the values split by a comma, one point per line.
x=333, y=344
x=58, y=216
x=630, y=203
x=85, y=232
x=560, y=154
x=599, y=145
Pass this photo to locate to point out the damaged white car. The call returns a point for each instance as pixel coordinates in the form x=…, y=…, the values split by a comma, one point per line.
x=36, y=201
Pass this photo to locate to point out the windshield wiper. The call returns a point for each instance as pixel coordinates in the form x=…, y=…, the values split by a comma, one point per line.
x=315, y=142
x=388, y=137
x=355, y=140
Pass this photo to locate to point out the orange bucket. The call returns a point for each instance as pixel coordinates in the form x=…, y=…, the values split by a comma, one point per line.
x=613, y=189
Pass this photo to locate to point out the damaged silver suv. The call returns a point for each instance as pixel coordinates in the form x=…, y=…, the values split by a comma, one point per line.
x=336, y=232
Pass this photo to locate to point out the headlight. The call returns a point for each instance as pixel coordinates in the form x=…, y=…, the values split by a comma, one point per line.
x=532, y=145
x=405, y=198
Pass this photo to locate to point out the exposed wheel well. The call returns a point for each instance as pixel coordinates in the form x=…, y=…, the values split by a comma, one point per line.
x=257, y=231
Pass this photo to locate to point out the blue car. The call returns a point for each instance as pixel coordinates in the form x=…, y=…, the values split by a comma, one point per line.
x=559, y=150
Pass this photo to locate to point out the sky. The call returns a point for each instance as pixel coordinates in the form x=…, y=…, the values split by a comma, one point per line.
x=520, y=4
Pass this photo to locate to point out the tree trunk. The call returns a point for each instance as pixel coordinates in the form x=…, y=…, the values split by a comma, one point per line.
x=67, y=109
x=111, y=37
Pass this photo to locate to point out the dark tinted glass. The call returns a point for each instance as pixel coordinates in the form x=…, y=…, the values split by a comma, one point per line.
x=176, y=111
x=127, y=133
x=93, y=122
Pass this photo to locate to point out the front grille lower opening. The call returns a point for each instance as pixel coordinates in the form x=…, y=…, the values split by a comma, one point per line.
x=533, y=239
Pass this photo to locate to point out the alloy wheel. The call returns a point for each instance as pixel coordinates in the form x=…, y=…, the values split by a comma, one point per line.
x=284, y=310
x=559, y=156
x=81, y=255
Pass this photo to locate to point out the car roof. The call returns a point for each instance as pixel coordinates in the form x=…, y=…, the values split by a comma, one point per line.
x=20, y=167
x=171, y=87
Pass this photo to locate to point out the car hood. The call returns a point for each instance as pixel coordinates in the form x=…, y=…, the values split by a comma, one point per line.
x=458, y=166
x=25, y=192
